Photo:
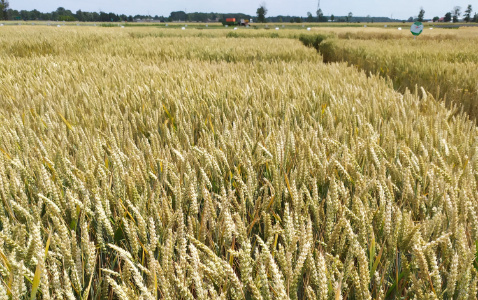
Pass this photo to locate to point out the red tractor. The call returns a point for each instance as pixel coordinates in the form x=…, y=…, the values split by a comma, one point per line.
x=233, y=22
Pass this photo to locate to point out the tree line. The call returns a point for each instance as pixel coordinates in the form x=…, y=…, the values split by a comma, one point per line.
x=451, y=16
x=62, y=14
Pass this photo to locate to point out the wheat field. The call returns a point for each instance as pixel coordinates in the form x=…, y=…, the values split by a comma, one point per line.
x=158, y=164
x=443, y=61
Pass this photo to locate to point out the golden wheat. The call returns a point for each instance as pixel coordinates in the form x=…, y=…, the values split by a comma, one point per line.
x=442, y=61
x=210, y=167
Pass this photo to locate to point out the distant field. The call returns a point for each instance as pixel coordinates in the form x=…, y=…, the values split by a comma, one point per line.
x=161, y=163
x=443, y=61
x=219, y=25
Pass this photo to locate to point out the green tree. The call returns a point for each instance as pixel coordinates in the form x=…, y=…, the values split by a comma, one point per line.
x=349, y=17
x=4, y=9
x=456, y=13
x=435, y=19
x=320, y=14
x=35, y=15
x=178, y=16
x=310, y=18
x=468, y=11
x=447, y=17
x=332, y=18
x=79, y=15
x=261, y=13
x=61, y=11
x=421, y=14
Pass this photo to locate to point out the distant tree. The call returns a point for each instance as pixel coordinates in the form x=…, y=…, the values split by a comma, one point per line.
x=447, y=17
x=79, y=15
x=25, y=15
x=320, y=14
x=310, y=18
x=475, y=18
x=63, y=14
x=36, y=15
x=410, y=19
x=103, y=16
x=206, y=17
x=66, y=18
x=261, y=13
x=349, y=17
x=61, y=10
x=435, y=19
x=332, y=18
x=468, y=11
x=178, y=16
x=456, y=13
x=421, y=14
x=4, y=9
x=94, y=16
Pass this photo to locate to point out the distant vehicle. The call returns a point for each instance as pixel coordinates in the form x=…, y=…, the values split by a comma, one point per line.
x=233, y=22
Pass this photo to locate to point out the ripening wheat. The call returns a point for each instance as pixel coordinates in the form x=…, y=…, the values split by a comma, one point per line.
x=144, y=167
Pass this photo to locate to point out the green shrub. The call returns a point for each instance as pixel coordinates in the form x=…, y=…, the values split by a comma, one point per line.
x=274, y=35
x=232, y=34
x=313, y=40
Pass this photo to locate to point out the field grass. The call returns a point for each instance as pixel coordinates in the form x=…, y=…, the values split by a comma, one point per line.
x=443, y=61
x=143, y=163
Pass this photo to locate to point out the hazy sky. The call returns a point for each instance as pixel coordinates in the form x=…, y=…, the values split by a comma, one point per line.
x=400, y=9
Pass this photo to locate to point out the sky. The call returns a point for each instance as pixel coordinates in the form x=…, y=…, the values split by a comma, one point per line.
x=399, y=9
